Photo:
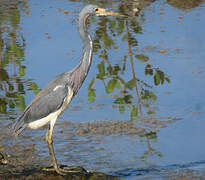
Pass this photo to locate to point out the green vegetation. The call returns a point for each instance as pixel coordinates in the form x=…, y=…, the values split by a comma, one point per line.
x=12, y=47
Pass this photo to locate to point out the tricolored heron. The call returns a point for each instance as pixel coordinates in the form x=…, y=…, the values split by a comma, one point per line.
x=51, y=101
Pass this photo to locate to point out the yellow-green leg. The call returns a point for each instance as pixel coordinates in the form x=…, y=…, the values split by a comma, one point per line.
x=52, y=154
x=50, y=147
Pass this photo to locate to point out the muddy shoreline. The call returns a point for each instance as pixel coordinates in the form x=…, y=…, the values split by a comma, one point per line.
x=17, y=171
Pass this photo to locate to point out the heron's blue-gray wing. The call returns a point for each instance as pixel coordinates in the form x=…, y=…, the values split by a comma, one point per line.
x=49, y=100
x=47, y=103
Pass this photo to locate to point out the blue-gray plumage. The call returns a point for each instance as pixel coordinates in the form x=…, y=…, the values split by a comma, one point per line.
x=51, y=101
x=48, y=100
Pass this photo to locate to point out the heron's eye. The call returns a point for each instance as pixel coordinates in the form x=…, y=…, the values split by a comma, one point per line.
x=96, y=10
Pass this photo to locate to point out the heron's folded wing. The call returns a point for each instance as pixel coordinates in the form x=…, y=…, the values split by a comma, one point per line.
x=48, y=102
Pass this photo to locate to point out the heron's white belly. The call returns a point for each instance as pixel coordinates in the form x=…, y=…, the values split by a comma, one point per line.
x=53, y=116
x=41, y=122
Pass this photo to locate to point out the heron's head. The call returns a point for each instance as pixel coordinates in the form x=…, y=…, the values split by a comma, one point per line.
x=94, y=10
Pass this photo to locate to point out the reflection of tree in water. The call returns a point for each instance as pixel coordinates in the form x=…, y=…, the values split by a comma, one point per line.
x=113, y=77
x=12, y=46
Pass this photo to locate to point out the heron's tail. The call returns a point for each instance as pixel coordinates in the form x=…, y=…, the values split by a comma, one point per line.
x=19, y=126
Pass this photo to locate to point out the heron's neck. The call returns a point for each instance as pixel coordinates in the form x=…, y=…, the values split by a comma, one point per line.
x=87, y=44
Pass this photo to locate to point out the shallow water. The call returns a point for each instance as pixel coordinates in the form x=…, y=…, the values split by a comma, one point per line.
x=139, y=113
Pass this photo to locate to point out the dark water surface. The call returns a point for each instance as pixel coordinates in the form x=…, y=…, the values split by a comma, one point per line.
x=140, y=112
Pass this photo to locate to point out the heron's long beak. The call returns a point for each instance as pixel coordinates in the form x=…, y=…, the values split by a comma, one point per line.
x=104, y=12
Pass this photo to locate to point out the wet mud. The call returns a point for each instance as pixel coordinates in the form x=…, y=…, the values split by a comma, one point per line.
x=16, y=171
x=10, y=170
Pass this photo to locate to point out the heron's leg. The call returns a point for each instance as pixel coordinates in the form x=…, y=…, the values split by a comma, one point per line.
x=61, y=171
x=50, y=147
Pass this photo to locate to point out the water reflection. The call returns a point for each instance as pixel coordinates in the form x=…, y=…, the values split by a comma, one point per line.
x=112, y=76
x=12, y=68
x=113, y=79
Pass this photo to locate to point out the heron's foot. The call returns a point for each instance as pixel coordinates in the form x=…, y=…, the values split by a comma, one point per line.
x=63, y=170
x=58, y=170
